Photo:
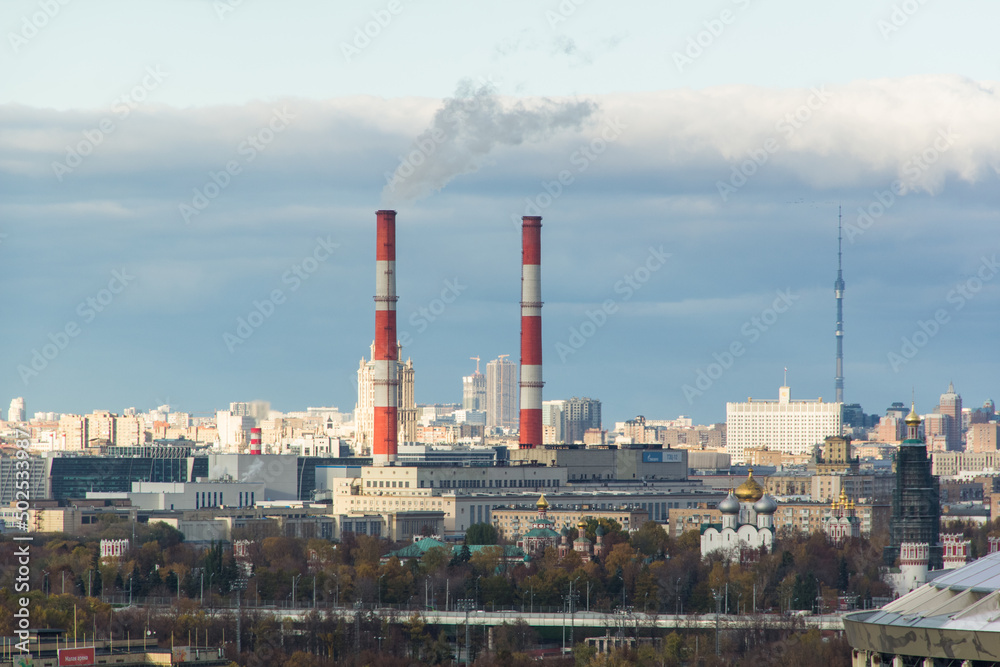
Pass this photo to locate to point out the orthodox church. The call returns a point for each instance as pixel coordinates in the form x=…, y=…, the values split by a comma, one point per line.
x=747, y=524
x=542, y=535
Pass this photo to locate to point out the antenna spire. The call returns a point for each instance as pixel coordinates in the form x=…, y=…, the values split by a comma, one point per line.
x=838, y=292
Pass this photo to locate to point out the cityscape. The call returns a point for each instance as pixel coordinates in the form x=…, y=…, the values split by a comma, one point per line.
x=656, y=368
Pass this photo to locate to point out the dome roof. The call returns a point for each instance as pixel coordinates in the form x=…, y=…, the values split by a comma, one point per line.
x=600, y=531
x=913, y=418
x=542, y=502
x=766, y=505
x=730, y=505
x=749, y=491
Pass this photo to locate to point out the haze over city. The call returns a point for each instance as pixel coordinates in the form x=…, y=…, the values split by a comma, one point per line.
x=167, y=168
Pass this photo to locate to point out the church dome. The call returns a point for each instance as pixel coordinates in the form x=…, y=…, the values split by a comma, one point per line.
x=730, y=505
x=913, y=419
x=749, y=491
x=766, y=505
x=542, y=502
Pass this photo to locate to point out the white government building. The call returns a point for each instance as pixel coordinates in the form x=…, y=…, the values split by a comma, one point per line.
x=792, y=427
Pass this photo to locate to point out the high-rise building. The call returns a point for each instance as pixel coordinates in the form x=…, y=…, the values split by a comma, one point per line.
x=364, y=411
x=233, y=430
x=792, y=427
x=501, y=393
x=553, y=422
x=582, y=414
x=474, y=391
x=951, y=407
x=71, y=434
x=130, y=431
x=983, y=437
x=17, y=412
x=101, y=428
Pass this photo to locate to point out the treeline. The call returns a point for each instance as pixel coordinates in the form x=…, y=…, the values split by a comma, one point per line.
x=647, y=571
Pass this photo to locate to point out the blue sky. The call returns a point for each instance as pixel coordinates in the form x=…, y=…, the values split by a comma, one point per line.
x=648, y=112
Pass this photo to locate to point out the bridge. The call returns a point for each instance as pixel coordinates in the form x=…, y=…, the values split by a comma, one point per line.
x=581, y=619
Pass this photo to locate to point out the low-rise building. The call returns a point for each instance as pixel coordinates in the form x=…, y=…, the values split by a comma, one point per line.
x=516, y=520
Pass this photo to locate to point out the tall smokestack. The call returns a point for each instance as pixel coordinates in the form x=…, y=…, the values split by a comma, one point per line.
x=531, y=331
x=255, y=441
x=386, y=356
x=838, y=292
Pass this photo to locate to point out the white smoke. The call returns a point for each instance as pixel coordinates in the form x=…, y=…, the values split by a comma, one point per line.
x=466, y=129
x=255, y=469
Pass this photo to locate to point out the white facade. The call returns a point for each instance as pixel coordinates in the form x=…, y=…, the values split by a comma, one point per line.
x=114, y=549
x=746, y=528
x=792, y=427
x=233, y=430
x=17, y=411
x=195, y=495
x=502, y=397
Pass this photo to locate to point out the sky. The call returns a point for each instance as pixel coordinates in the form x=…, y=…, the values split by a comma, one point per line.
x=188, y=192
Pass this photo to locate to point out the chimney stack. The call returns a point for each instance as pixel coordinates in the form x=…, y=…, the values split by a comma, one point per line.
x=386, y=355
x=255, y=441
x=531, y=332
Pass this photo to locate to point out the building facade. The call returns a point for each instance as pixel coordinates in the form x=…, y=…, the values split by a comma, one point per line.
x=474, y=392
x=581, y=415
x=502, y=394
x=364, y=411
x=792, y=427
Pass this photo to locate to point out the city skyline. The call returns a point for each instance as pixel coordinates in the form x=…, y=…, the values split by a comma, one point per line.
x=181, y=228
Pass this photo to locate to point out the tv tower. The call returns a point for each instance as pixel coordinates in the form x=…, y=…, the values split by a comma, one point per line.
x=838, y=291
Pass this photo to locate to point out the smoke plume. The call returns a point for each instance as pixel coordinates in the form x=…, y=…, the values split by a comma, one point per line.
x=464, y=132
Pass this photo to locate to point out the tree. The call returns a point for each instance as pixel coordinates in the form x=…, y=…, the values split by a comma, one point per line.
x=651, y=539
x=481, y=533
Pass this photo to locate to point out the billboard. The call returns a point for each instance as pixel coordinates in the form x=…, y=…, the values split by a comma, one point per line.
x=76, y=656
x=661, y=457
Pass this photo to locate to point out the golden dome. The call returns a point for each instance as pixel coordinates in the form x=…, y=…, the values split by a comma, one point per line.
x=542, y=503
x=749, y=491
x=913, y=418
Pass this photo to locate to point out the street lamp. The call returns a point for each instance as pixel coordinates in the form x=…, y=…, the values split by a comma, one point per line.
x=465, y=604
x=295, y=580
x=380, y=590
x=718, y=610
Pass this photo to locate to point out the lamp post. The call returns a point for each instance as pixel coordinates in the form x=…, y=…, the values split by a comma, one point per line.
x=465, y=604
x=295, y=580
x=718, y=610
x=240, y=585
x=380, y=590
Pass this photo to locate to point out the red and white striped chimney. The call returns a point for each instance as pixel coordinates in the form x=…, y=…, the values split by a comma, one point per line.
x=255, y=441
x=531, y=331
x=386, y=354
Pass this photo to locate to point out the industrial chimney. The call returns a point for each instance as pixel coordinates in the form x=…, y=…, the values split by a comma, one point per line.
x=386, y=353
x=531, y=332
x=255, y=441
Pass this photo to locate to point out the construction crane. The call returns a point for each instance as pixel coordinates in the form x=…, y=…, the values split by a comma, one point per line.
x=476, y=359
x=501, y=357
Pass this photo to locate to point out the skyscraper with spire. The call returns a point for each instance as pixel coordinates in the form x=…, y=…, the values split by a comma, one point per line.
x=838, y=291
